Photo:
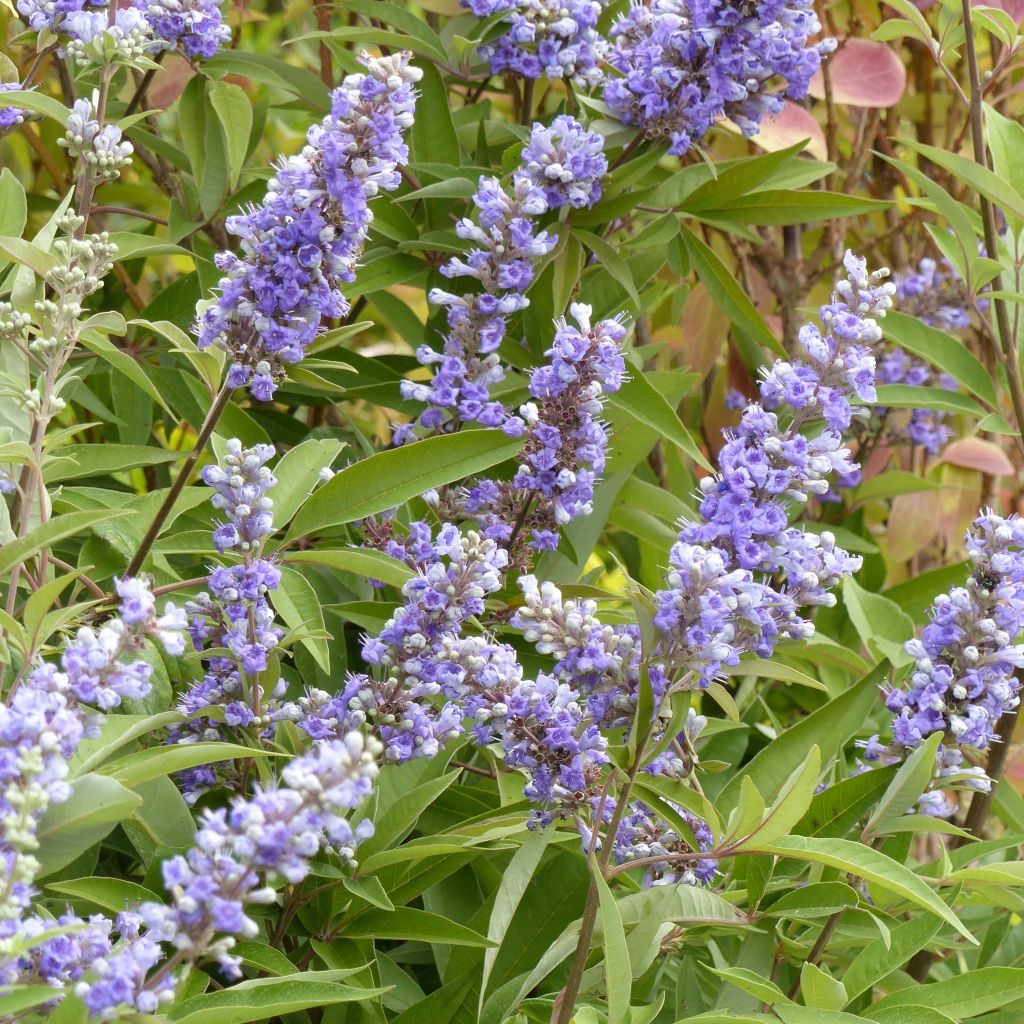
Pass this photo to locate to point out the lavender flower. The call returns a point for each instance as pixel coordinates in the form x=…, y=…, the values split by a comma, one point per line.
x=101, y=149
x=196, y=26
x=557, y=38
x=935, y=294
x=684, y=65
x=740, y=574
x=566, y=162
x=304, y=241
x=963, y=680
x=234, y=614
x=598, y=660
x=926, y=427
x=271, y=836
x=508, y=247
x=47, y=717
x=642, y=834
x=564, y=441
x=11, y=117
x=52, y=14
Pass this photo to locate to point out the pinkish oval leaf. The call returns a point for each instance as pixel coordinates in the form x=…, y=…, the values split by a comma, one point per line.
x=864, y=73
x=792, y=125
x=974, y=453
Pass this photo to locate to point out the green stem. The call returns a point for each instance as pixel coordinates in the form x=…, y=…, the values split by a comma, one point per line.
x=205, y=432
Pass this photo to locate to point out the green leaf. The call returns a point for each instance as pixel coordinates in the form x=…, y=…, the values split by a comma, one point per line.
x=391, y=477
x=791, y=206
x=617, y=971
x=764, y=669
x=37, y=102
x=123, y=363
x=971, y=173
x=819, y=899
x=273, y=998
x=829, y=728
x=891, y=484
x=640, y=399
x=17, y=250
x=906, y=396
x=301, y=610
x=790, y=805
x=13, y=205
x=53, y=531
x=18, y=998
x=730, y=298
x=967, y=995
x=432, y=137
x=372, y=565
x=878, y=959
x=83, y=460
x=882, y=624
x=143, y=765
x=412, y=925
x=234, y=112
x=871, y=865
x=752, y=983
x=820, y=989
x=514, y=882
x=911, y=1014
x=610, y=259
x=96, y=805
x=910, y=782
x=112, y=894
x=298, y=472
x=943, y=350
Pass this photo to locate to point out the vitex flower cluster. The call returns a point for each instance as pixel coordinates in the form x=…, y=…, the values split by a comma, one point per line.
x=303, y=242
x=552, y=38
x=234, y=616
x=740, y=574
x=683, y=64
x=964, y=675
x=562, y=165
x=89, y=29
x=42, y=723
x=101, y=149
x=564, y=440
x=239, y=853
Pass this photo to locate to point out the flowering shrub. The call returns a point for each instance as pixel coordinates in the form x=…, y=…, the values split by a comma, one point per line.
x=448, y=574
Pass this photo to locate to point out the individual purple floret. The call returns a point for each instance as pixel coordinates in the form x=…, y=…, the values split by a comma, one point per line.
x=566, y=162
x=556, y=38
x=683, y=65
x=564, y=440
x=303, y=242
x=508, y=246
x=196, y=26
